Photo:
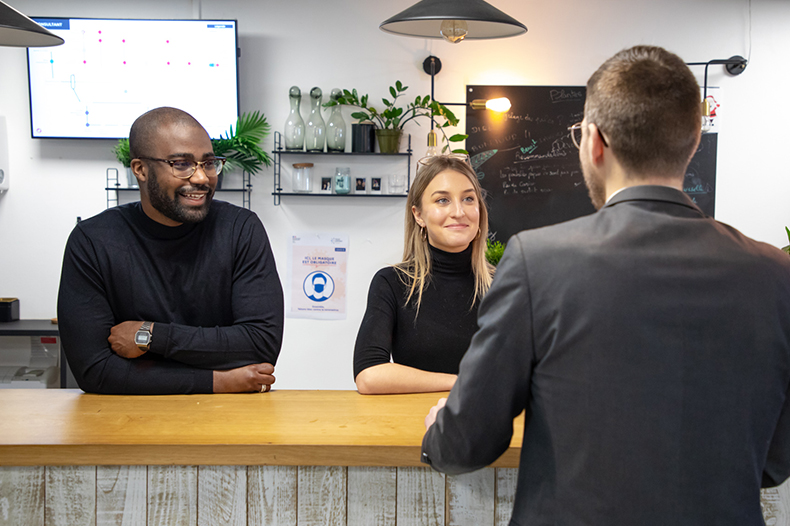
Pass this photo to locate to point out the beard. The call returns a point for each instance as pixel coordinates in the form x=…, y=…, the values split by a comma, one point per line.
x=171, y=207
x=595, y=187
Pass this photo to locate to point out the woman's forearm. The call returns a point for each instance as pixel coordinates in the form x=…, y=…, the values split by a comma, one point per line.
x=393, y=378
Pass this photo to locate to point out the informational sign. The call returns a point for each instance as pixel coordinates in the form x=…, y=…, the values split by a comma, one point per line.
x=317, y=276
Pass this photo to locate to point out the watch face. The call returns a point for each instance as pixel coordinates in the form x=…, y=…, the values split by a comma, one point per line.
x=142, y=338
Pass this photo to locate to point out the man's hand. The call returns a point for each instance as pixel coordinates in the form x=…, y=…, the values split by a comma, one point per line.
x=122, y=339
x=257, y=377
x=431, y=418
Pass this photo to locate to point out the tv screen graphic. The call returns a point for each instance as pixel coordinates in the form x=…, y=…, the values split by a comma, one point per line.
x=110, y=71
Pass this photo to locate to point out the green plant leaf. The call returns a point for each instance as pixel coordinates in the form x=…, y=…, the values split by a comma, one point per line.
x=242, y=146
x=393, y=92
x=458, y=137
x=386, y=102
x=788, y=233
x=494, y=251
x=121, y=151
x=461, y=150
x=399, y=85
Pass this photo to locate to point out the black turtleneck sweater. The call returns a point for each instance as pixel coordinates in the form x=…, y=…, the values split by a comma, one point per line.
x=211, y=289
x=435, y=339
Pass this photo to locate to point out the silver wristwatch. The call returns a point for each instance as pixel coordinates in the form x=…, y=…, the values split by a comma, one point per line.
x=143, y=336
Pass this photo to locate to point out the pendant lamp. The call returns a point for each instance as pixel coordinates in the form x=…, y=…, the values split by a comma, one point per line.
x=17, y=30
x=453, y=20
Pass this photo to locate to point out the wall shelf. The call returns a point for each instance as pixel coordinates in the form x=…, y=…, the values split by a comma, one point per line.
x=114, y=188
x=279, y=152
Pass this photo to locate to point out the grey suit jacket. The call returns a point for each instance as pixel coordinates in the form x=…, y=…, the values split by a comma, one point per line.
x=650, y=347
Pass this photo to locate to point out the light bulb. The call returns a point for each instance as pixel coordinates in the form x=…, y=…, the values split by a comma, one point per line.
x=454, y=31
x=706, y=120
x=500, y=105
x=432, y=150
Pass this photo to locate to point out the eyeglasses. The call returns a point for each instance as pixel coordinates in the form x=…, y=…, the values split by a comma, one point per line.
x=184, y=168
x=576, y=135
x=426, y=161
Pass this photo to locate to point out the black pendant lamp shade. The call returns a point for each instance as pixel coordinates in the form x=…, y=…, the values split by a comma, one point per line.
x=17, y=30
x=470, y=19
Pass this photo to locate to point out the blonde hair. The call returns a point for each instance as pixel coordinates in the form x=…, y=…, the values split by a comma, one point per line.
x=415, y=269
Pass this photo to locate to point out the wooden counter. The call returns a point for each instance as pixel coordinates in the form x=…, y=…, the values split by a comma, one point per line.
x=285, y=458
x=286, y=428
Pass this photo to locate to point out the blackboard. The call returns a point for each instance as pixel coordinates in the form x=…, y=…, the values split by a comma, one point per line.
x=529, y=167
x=700, y=181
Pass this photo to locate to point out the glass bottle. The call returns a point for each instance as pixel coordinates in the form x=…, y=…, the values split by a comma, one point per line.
x=294, y=126
x=315, y=133
x=342, y=180
x=336, y=126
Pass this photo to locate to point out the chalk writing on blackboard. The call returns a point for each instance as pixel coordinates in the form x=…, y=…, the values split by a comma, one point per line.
x=529, y=167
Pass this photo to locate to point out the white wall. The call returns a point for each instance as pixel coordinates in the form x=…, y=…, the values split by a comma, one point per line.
x=338, y=44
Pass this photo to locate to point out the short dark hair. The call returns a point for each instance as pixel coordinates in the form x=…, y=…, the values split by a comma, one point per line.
x=647, y=102
x=142, y=135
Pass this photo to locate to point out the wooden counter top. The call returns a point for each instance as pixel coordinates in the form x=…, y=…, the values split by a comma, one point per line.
x=328, y=428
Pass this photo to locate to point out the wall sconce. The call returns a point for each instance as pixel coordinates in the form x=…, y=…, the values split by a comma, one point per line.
x=432, y=65
x=734, y=65
x=17, y=30
x=454, y=21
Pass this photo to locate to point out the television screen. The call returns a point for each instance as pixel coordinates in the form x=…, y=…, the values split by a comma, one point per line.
x=110, y=71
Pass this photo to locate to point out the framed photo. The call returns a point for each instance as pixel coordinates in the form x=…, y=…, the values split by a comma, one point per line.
x=375, y=185
x=361, y=186
x=326, y=185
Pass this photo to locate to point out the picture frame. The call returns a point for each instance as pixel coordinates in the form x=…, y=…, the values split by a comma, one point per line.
x=326, y=185
x=360, y=185
x=375, y=185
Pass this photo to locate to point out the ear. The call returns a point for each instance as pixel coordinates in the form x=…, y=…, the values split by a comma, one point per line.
x=417, y=216
x=597, y=146
x=140, y=170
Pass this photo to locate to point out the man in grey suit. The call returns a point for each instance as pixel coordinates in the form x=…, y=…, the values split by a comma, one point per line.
x=648, y=344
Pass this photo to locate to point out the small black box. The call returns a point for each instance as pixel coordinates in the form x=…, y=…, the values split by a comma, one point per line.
x=9, y=309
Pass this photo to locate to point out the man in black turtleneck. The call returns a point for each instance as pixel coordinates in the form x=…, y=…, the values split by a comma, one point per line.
x=174, y=293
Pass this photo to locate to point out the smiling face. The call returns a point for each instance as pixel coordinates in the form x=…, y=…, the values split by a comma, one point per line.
x=449, y=211
x=165, y=198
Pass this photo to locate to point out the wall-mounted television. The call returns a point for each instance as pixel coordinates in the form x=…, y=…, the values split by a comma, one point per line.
x=110, y=71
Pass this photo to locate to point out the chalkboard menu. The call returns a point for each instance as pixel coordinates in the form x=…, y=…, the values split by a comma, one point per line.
x=529, y=167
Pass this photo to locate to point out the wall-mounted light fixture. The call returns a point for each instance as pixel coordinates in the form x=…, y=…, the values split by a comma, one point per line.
x=734, y=65
x=17, y=30
x=454, y=21
x=432, y=65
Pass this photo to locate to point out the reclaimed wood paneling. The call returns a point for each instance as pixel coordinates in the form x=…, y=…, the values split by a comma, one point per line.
x=222, y=495
x=121, y=495
x=321, y=496
x=470, y=498
x=271, y=495
x=172, y=495
x=371, y=496
x=70, y=496
x=22, y=496
x=506, y=479
x=421, y=497
x=776, y=505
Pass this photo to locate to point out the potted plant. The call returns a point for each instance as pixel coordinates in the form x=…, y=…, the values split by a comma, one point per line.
x=389, y=122
x=242, y=146
x=494, y=251
x=121, y=151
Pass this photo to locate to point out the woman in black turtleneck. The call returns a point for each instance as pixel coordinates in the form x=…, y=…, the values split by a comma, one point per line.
x=422, y=312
